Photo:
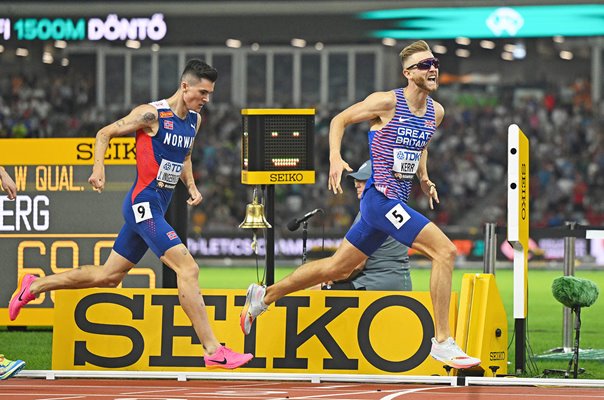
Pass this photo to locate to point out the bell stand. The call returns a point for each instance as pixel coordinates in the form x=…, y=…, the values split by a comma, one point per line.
x=269, y=202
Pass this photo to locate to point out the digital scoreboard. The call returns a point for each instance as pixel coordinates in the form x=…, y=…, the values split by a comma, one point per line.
x=277, y=146
x=57, y=221
x=110, y=27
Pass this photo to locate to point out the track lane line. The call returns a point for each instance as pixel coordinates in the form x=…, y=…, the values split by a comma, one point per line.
x=409, y=391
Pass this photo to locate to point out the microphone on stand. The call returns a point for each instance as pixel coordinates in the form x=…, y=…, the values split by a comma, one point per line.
x=294, y=224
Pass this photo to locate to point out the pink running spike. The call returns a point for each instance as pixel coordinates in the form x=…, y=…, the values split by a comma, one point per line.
x=226, y=358
x=22, y=296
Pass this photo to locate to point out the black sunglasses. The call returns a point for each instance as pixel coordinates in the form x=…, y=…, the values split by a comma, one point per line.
x=426, y=64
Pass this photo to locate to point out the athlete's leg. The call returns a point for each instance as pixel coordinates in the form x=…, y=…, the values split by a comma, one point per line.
x=180, y=260
x=437, y=247
x=413, y=229
x=360, y=242
x=338, y=266
x=108, y=275
x=86, y=276
x=128, y=248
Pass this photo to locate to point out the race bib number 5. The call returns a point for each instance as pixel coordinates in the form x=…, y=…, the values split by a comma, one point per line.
x=142, y=211
x=398, y=216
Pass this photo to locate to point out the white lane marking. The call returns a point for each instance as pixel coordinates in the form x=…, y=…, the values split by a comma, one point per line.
x=339, y=394
x=326, y=387
x=153, y=391
x=240, y=393
x=64, y=398
x=404, y=392
x=150, y=398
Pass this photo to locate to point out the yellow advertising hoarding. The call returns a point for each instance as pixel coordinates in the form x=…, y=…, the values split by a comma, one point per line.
x=308, y=332
x=65, y=151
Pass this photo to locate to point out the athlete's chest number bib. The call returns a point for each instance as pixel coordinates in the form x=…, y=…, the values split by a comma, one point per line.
x=405, y=163
x=398, y=216
x=169, y=172
x=142, y=211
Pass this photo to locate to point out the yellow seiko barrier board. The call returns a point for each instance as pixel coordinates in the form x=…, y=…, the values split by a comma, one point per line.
x=307, y=332
x=482, y=325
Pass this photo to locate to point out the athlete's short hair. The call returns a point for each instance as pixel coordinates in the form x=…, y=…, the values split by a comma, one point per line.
x=415, y=47
x=200, y=70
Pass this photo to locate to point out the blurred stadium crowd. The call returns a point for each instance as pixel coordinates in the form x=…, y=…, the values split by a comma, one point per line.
x=467, y=156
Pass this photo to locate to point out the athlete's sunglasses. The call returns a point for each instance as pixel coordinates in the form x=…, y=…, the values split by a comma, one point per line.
x=426, y=64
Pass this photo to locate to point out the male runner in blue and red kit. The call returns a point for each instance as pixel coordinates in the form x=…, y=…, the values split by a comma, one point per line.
x=165, y=131
x=402, y=123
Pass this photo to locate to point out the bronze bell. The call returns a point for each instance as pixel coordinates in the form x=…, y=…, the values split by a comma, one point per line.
x=254, y=216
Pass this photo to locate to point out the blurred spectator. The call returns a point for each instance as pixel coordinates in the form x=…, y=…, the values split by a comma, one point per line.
x=468, y=161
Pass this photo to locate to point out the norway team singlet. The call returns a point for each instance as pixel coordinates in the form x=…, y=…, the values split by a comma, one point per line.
x=396, y=149
x=159, y=163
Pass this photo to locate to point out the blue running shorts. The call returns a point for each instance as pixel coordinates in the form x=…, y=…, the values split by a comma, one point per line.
x=382, y=217
x=145, y=227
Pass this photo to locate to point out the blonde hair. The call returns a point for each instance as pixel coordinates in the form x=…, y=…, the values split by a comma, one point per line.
x=415, y=47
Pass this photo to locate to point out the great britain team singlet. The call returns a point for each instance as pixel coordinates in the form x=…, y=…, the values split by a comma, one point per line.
x=395, y=150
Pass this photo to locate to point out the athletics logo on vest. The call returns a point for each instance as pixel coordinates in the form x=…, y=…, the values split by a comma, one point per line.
x=176, y=140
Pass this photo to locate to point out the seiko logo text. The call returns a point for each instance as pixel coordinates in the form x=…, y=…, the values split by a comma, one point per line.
x=523, y=192
x=286, y=177
x=115, y=151
x=297, y=332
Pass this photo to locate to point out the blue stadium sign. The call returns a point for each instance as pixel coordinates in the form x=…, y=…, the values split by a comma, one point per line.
x=490, y=22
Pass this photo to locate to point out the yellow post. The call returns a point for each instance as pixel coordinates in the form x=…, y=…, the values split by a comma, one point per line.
x=518, y=231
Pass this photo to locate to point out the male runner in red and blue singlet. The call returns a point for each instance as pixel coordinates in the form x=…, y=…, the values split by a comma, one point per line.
x=165, y=131
x=402, y=123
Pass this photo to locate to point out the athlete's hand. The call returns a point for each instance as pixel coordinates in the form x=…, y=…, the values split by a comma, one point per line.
x=97, y=180
x=336, y=167
x=194, y=196
x=8, y=184
x=429, y=188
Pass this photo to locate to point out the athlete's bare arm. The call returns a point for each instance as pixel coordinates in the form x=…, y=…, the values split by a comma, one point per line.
x=141, y=117
x=378, y=108
x=187, y=178
x=439, y=112
x=429, y=187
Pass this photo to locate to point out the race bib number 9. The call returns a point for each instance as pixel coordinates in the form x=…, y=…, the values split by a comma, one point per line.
x=405, y=163
x=169, y=172
x=142, y=211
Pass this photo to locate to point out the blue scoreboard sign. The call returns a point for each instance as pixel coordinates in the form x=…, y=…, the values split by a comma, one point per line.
x=490, y=22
